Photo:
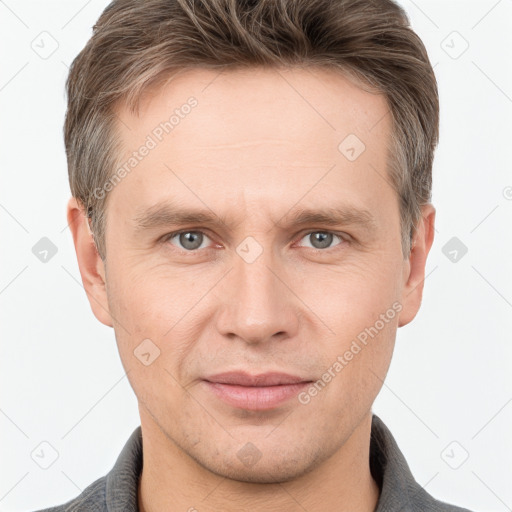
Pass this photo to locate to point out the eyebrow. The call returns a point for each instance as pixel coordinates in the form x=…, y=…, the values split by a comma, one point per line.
x=166, y=214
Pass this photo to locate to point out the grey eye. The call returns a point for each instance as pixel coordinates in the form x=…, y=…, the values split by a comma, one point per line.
x=189, y=240
x=320, y=239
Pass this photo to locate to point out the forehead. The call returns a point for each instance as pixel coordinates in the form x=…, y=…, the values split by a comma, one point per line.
x=242, y=104
x=252, y=130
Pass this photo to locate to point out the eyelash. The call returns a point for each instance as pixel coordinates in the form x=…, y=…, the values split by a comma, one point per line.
x=342, y=236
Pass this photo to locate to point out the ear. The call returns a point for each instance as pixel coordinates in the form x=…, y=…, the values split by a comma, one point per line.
x=414, y=267
x=91, y=265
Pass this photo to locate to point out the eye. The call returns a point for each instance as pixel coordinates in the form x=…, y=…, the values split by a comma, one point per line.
x=194, y=240
x=188, y=240
x=321, y=239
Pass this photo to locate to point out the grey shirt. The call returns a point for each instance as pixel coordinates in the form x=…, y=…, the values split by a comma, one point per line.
x=117, y=491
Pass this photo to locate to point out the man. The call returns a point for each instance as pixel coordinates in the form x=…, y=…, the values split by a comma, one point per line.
x=251, y=213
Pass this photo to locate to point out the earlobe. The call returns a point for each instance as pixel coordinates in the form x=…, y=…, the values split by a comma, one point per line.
x=414, y=267
x=92, y=269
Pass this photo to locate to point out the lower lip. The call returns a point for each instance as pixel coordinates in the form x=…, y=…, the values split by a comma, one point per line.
x=256, y=398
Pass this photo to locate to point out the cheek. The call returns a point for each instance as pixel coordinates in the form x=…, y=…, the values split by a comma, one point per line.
x=351, y=297
x=157, y=312
x=148, y=298
x=356, y=363
x=144, y=312
x=359, y=305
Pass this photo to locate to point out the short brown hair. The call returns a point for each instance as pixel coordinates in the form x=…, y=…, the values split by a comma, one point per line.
x=135, y=43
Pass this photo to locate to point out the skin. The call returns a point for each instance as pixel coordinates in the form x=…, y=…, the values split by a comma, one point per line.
x=260, y=145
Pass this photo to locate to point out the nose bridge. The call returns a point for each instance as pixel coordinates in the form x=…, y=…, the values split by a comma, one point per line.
x=259, y=305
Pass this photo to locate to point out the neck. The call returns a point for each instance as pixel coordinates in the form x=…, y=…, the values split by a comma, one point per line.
x=172, y=481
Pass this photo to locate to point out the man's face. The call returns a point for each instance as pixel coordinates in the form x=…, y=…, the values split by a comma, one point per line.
x=252, y=290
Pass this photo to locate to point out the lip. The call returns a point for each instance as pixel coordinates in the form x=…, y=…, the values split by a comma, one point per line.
x=255, y=392
x=241, y=378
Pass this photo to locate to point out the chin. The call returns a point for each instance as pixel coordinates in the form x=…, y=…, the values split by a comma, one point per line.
x=262, y=475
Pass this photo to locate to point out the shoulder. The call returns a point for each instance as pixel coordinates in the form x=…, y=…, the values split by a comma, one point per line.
x=117, y=490
x=398, y=488
x=92, y=499
x=421, y=501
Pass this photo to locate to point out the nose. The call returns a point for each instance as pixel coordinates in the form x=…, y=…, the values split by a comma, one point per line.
x=259, y=304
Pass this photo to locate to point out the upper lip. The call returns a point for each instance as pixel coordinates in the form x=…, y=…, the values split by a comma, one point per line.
x=263, y=379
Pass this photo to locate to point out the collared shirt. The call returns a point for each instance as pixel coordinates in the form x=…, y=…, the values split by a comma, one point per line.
x=399, y=492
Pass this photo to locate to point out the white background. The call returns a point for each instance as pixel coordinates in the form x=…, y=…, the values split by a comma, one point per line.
x=61, y=378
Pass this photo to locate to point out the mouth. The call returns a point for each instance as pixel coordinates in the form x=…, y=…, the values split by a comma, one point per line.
x=255, y=392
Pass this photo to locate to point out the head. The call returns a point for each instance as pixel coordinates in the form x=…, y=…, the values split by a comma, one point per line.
x=251, y=190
